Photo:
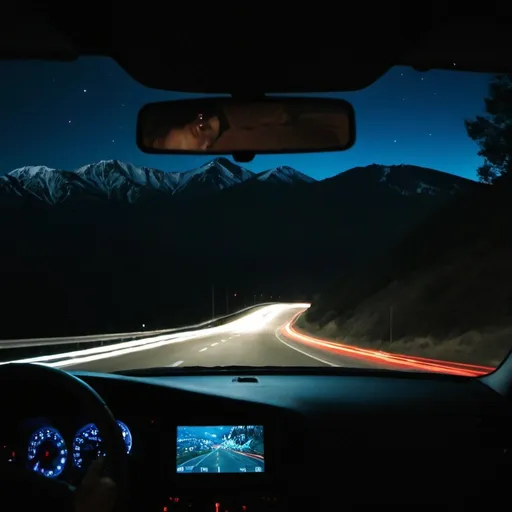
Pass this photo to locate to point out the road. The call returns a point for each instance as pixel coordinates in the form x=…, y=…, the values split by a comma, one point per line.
x=222, y=460
x=256, y=339
x=262, y=337
x=253, y=340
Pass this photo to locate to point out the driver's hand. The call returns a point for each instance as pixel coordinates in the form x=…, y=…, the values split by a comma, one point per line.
x=97, y=493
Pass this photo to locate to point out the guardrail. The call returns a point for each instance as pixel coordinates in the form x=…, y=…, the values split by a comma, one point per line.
x=125, y=336
x=10, y=349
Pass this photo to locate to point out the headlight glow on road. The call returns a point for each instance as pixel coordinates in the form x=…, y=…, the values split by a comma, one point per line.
x=256, y=320
x=261, y=318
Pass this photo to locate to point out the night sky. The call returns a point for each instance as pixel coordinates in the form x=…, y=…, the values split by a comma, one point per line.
x=65, y=115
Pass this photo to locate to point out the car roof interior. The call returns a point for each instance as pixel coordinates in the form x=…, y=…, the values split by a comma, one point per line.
x=331, y=57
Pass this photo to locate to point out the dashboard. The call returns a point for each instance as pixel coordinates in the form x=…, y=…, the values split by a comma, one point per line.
x=229, y=442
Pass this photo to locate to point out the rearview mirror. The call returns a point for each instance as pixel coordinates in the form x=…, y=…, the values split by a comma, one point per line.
x=233, y=126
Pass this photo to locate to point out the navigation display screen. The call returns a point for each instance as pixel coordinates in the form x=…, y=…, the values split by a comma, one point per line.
x=220, y=449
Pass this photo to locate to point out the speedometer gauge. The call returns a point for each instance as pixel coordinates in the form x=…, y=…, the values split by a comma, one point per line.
x=87, y=445
x=47, y=452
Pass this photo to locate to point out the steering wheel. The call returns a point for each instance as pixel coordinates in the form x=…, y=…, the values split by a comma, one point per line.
x=21, y=488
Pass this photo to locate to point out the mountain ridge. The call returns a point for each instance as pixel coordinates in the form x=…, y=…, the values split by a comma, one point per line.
x=114, y=179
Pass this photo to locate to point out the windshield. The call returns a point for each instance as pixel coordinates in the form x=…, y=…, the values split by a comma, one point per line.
x=391, y=255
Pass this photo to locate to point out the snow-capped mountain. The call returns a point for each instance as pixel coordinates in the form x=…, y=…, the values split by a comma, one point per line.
x=218, y=174
x=112, y=179
x=115, y=180
x=107, y=178
x=122, y=180
x=41, y=182
x=284, y=174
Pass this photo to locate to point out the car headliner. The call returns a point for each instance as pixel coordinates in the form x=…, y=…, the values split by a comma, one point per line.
x=249, y=59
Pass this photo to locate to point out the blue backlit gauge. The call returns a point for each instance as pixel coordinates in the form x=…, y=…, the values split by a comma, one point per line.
x=87, y=444
x=127, y=436
x=47, y=452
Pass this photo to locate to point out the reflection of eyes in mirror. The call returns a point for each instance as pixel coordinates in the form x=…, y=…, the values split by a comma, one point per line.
x=259, y=126
x=200, y=134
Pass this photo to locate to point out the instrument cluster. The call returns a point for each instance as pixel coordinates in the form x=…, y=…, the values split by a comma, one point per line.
x=49, y=452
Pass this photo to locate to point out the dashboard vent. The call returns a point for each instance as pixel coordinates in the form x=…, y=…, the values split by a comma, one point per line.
x=245, y=380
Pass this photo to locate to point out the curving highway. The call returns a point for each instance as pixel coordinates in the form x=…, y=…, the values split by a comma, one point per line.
x=265, y=336
x=253, y=340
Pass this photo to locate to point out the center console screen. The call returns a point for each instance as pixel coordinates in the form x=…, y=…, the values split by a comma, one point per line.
x=220, y=449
